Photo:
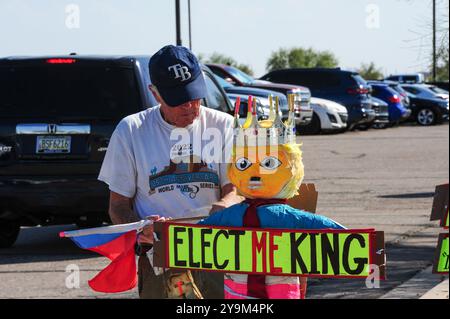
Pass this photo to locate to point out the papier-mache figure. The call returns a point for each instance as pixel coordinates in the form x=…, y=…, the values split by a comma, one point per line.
x=267, y=169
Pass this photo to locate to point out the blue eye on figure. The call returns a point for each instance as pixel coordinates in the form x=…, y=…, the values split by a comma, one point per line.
x=270, y=163
x=242, y=164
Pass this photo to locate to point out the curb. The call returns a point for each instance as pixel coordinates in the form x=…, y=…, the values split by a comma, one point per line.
x=420, y=285
x=438, y=292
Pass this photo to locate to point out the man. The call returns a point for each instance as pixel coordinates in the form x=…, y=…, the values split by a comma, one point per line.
x=151, y=172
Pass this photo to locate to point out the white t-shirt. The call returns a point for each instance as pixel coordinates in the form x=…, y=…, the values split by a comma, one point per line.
x=138, y=162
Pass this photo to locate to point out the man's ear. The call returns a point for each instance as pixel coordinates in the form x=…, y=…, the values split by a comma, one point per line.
x=155, y=93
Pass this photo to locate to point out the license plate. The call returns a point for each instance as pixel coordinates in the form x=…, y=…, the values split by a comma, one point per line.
x=53, y=144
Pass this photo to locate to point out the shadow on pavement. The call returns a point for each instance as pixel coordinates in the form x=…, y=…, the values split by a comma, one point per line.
x=408, y=196
x=403, y=262
x=37, y=244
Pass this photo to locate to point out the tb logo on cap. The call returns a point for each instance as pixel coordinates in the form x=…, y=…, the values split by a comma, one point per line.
x=180, y=72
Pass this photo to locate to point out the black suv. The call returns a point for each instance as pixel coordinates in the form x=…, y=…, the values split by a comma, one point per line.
x=344, y=87
x=56, y=118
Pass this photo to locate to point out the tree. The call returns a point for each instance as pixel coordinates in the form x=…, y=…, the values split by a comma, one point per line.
x=370, y=71
x=442, y=64
x=443, y=46
x=425, y=36
x=223, y=59
x=301, y=58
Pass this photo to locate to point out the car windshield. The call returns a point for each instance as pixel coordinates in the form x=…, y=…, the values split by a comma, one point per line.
x=437, y=90
x=360, y=80
x=427, y=90
x=410, y=89
x=391, y=90
x=399, y=89
x=241, y=76
x=69, y=92
x=411, y=95
x=223, y=83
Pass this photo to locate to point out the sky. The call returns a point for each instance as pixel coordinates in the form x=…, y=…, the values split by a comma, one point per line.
x=394, y=34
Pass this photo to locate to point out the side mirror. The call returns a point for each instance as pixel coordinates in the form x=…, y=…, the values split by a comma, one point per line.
x=230, y=80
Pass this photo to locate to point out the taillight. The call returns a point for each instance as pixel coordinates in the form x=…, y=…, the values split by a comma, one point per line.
x=395, y=99
x=61, y=61
x=360, y=90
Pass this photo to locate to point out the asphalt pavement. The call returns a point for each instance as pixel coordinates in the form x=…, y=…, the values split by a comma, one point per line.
x=382, y=179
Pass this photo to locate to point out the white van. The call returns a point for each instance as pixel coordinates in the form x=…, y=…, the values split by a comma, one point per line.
x=407, y=78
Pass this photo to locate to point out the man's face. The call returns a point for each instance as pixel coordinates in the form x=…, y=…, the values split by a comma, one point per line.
x=181, y=115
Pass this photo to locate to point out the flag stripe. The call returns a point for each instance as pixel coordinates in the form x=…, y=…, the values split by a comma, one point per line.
x=120, y=274
x=122, y=228
x=92, y=241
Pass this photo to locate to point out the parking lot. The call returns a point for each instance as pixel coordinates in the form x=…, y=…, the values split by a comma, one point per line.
x=383, y=179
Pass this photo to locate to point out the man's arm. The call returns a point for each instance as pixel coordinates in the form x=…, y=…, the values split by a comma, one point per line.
x=229, y=198
x=120, y=209
x=121, y=212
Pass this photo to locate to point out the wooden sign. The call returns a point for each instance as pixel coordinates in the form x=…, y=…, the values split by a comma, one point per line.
x=440, y=265
x=441, y=205
x=277, y=252
x=306, y=199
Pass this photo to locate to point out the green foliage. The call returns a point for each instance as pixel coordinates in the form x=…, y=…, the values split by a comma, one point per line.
x=223, y=59
x=370, y=72
x=442, y=64
x=301, y=58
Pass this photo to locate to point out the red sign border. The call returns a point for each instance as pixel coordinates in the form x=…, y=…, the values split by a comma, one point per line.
x=441, y=238
x=372, y=247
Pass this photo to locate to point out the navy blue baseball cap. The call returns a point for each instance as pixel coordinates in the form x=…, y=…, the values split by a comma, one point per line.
x=176, y=73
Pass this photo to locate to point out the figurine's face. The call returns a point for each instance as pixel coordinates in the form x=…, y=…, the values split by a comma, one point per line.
x=263, y=173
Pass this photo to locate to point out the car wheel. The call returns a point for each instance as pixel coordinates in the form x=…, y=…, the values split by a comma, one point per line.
x=426, y=117
x=9, y=231
x=313, y=127
x=364, y=127
x=89, y=222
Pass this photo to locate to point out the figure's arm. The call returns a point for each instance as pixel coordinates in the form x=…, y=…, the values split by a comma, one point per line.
x=307, y=220
x=229, y=197
x=321, y=222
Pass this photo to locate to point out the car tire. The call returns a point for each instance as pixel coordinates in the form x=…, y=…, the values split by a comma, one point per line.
x=364, y=127
x=314, y=127
x=89, y=222
x=9, y=231
x=426, y=117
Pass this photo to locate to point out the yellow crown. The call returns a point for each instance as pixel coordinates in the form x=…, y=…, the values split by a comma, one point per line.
x=272, y=131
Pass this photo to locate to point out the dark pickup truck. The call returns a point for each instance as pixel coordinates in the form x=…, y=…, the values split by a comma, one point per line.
x=56, y=118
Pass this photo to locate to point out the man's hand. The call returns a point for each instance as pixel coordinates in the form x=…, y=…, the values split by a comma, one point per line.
x=229, y=198
x=146, y=236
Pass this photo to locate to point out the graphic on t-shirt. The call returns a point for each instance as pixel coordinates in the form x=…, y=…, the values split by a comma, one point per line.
x=187, y=177
x=181, y=150
x=189, y=190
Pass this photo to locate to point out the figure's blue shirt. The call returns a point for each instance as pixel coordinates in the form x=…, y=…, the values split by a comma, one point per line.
x=272, y=216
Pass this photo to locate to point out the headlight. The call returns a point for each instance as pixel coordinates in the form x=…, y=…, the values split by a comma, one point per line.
x=444, y=105
x=302, y=101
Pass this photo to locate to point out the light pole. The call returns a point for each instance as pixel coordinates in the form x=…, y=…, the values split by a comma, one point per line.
x=189, y=17
x=434, y=41
x=177, y=22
